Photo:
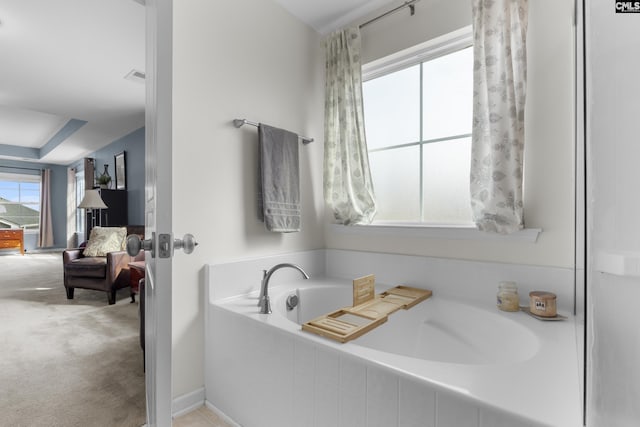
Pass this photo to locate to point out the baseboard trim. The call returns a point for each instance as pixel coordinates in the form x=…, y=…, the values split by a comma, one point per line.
x=187, y=402
x=221, y=414
x=191, y=401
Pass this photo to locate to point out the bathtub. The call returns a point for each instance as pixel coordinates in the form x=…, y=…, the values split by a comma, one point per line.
x=443, y=363
x=438, y=329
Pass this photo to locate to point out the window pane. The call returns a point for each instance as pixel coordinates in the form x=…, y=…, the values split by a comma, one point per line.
x=396, y=181
x=392, y=117
x=448, y=95
x=29, y=196
x=9, y=191
x=446, y=182
x=79, y=195
x=392, y=108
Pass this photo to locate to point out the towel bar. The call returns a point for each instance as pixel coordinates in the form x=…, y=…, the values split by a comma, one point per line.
x=241, y=122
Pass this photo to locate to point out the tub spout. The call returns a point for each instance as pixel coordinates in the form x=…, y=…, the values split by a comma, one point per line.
x=263, y=301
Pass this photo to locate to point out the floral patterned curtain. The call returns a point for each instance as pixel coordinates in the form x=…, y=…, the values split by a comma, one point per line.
x=499, y=92
x=348, y=188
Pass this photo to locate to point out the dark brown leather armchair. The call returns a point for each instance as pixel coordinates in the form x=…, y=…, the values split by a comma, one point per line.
x=107, y=274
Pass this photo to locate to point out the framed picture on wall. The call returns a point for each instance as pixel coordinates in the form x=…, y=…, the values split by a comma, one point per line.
x=120, y=160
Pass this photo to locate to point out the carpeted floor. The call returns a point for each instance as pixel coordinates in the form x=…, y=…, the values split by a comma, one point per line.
x=65, y=362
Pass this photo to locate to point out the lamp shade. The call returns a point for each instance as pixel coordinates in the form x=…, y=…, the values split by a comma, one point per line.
x=92, y=200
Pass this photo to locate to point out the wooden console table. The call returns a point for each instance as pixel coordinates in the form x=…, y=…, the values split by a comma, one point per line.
x=12, y=239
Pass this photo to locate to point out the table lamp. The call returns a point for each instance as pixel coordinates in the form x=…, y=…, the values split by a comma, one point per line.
x=91, y=201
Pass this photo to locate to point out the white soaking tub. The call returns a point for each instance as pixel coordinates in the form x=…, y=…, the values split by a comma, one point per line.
x=437, y=329
x=442, y=363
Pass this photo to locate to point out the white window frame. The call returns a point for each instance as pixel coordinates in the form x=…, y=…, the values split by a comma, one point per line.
x=80, y=186
x=430, y=49
x=21, y=177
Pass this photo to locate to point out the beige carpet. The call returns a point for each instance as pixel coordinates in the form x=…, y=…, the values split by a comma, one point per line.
x=65, y=362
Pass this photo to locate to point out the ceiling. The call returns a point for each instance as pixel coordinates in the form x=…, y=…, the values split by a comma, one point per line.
x=328, y=15
x=63, y=91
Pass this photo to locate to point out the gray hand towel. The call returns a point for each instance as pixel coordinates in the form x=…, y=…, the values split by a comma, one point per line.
x=280, y=179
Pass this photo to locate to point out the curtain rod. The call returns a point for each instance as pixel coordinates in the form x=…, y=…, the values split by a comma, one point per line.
x=410, y=4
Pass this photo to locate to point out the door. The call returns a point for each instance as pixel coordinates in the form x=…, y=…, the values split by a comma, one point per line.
x=158, y=196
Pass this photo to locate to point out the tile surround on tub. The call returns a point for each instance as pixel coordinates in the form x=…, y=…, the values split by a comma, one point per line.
x=417, y=404
x=474, y=280
x=454, y=412
x=382, y=397
x=262, y=377
x=327, y=385
x=353, y=404
x=244, y=276
x=304, y=376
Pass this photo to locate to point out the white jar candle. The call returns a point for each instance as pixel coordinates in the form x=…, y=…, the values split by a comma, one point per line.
x=507, y=298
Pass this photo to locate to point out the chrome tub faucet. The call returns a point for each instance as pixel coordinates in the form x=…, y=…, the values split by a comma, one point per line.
x=263, y=301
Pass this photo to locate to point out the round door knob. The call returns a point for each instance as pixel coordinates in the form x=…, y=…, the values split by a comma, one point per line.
x=187, y=243
x=135, y=245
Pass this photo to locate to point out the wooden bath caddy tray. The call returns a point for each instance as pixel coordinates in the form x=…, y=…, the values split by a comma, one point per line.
x=368, y=311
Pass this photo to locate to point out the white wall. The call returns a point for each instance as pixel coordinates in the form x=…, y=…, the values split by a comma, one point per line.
x=253, y=60
x=549, y=152
x=613, y=152
x=235, y=59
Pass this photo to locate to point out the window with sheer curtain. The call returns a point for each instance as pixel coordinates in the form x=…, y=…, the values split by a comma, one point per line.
x=80, y=213
x=418, y=119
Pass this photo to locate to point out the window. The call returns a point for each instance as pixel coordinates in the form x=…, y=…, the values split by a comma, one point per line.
x=80, y=217
x=418, y=116
x=19, y=201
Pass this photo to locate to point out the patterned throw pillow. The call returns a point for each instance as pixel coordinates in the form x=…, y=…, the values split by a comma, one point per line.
x=106, y=239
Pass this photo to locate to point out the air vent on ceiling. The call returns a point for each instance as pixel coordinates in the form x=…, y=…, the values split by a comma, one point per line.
x=135, y=76
x=142, y=2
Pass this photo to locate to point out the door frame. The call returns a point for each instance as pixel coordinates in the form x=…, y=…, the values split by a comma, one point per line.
x=158, y=209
